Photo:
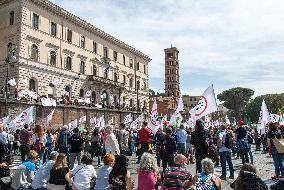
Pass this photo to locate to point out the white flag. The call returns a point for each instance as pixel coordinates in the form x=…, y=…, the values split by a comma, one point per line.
x=93, y=120
x=274, y=118
x=281, y=121
x=135, y=124
x=55, y=82
x=192, y=119
x=128, y=119
x=24, y=82
x=49, y=117
x=26, y=117
x=110, y=121
x=83, y=120
x=264, y=113
x=154, y=123
x=227, y=120
x=100, y=122
x=12, y=82
x=207, y=103
x=73, y=124
x=180, y=105
x=4, y=121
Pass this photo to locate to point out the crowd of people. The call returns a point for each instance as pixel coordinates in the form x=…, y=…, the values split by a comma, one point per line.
x=65, y=159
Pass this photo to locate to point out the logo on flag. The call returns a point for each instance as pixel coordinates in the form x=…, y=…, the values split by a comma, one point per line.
x=201, y=106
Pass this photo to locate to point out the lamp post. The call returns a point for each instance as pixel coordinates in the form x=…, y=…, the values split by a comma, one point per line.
x=10, y=59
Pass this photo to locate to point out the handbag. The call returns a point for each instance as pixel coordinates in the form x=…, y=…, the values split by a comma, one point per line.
x=279, y=145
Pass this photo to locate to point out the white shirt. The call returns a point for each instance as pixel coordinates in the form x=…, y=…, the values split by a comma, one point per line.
x=222, y=148
x=3, y=137
x=42, y=139
x=111, y=144
x=42, y=175
x=83, y=175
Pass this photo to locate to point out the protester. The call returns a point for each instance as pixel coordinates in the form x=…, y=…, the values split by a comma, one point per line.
x=3, y=143
x=148, y=172
x=104, y=171
x=62, y=140
x=248, y=180
x=199, y=139
x=123, y=136
x=242, y=142
x=25, y=140
x=96, y=145
x=144, y=138
x=177, y=176
x=49, y=146
x=159, y=139
x=225, y=152
x=83, y=174
x=119, y=177
x=181, y=137
x=76, y=143
x=39, y=141
x=273, y=136
x=207, y=179
x=16, y=144
x=24, y=174
x=42, y=175
x=59, y=174
x=111, y=143
x=5, y=173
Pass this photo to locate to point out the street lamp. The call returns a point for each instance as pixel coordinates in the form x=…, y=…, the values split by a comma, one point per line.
x=10, y=59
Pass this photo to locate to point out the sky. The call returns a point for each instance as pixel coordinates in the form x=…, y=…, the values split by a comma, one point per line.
x=227, y=43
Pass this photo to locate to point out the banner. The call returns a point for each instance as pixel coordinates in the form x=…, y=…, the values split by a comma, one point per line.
x=26, y=117
x=207, y=103
x=274, y=118
x=264, y=112
x=12, y=82
x=48, y=102
x=180, y=105
x=83, y=120
x=154, y=123
x=135, y=124
x=73, y=124
x=49, y=117
x=128, y=119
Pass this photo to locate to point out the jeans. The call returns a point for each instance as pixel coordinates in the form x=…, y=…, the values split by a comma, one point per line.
x=250, y=154
x=144, y=148
x=24, y=149
x=73, y=157
x=181, y=148
x=278, y=162
x=198, y=160
x=244, y=155
x=168, y=162
x=226, y=157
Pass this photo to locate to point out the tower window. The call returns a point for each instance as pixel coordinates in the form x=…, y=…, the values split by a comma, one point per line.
x=137, y=66
x=12, y=15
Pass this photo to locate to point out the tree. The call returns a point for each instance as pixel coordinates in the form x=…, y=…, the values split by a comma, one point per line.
x=236, y=99
x=274, y=102
x=151, y=93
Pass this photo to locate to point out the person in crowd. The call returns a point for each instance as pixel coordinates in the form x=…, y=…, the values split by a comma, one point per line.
x=250, y=143
x=225, y=152
x=134, y=140
x=123, y=136
x=181, y=137
x=24, y=174
x=11, y=139
x=42, y=175
x=76, y=143
x=257, y=139
x=87, y=141
x=16, y=144
x=3, y=143
x=39, y=141
x=119, y=177
x=207, y=179
x=248, y=180
x=159, y=139
x=83, y=174
x=278, y=185
x=199, y=139
x=168, y=149
x=242, y=142
x=4, y=166
x=25, y=140
x=177, y=176
x=144, y=138
x=104, y=171
x=274, y=135
x=62, y=140
x=148, y=172
x=48, y=145
x=111, y=143
x=59, y=174
x=96, y=145
x=3, y=135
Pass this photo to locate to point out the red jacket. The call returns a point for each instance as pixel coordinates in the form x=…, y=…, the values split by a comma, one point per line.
x=144, y=135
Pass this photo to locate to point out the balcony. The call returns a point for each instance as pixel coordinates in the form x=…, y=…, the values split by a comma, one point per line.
x=104, y=81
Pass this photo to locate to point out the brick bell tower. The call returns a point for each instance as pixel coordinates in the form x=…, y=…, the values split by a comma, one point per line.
x=172, y=72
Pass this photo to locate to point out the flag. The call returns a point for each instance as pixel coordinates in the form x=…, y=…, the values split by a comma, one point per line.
x=12, y=82
x=227, y=120
x=274, y=118
x=49, y=117
x=164, y=121
x=178, y=120
x=93, y=120
x=100, y=122
x=192, y=119
x=180, y=105
x=55, y=82
x=207, y=103
x=128, y=119
x=5, y=121
x=73, y=124
x=24, y=82
x=264, y=113
x=154, y=123
x=281, y=120
x=110, y=122
x=135, y=124
x=26, y=117
x=83, y=120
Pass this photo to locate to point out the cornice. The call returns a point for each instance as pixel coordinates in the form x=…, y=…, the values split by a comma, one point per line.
x=32, y=38
x=50, y=45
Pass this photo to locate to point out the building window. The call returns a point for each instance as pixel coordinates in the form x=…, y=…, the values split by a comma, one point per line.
x=131, y=103
x=67, y=91
x=34, y=52
x=94, y=47
x=131, y=83
x=124, y=79
x=145, y=86
x=137, y=66
x=35, y=21
x=131, y=63
x=82, y=43
x=123, y=59
x=32, y=85
x=115, y=55
x=82, y=67
x=81, y=93
x=115, y=78
x=50, y=90
x=94, y=70
x=68, y=65
x=93, y=96
x=52, y=58
x=138, y=85
x=53, y=29
x=104, y=98
x=144, y=68
x=69, y=35
x=106, y=74
x=114, y=100
x=105, y=52
x=12, y=17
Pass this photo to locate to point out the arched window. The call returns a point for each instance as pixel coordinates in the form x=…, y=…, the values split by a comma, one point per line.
x=32, y=85
x=93, y=96
x=52, y=58
x=131, y=103
x=115, y=78
x=106, y=73
x=114, y=100
x=68, y=65
x=104, y=97
x=138, y=85
x=131, y=82
x=138, y=104
x=34, y=52
x=82, y=67
x=94, y=70
x=67, y=91
x=50, y=90
x=81, y=94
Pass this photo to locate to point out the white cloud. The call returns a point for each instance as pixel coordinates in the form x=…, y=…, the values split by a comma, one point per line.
x=228, y=43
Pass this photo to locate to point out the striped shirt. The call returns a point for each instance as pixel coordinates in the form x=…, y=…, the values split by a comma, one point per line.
x=175, y=177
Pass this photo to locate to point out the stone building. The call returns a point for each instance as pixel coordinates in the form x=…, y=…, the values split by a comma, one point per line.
x=51, y=44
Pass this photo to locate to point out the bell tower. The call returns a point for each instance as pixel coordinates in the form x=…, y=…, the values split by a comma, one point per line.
x=172, y=72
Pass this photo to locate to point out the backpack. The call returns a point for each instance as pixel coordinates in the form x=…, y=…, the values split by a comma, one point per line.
x=250, y=139
x=229, y=141
x=208, y=184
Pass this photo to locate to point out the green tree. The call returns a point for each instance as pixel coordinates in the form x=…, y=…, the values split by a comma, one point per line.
x=152, y=93
x=274, y=102
x=235, y=99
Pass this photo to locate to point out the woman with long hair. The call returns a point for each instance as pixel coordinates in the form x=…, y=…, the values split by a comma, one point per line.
x=148, y=172
x=39, y=141
x=49, y=144
x=96, y=145
x=119, y=177
x=59, y=174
